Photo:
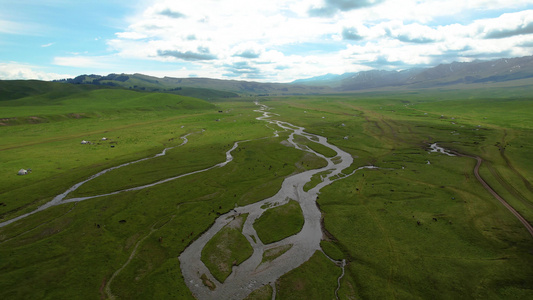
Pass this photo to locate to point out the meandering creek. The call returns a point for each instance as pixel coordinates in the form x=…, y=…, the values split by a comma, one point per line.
x=252, y=274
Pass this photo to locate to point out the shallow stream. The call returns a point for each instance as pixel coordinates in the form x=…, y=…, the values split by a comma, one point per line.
x=252, y=274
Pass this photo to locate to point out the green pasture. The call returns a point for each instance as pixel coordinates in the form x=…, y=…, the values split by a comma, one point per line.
x=456, y=250
x=408, y=230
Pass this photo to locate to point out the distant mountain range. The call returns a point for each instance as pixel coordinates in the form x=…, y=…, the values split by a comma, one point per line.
x=501, y=70
x=515, y=71
x=203, y=88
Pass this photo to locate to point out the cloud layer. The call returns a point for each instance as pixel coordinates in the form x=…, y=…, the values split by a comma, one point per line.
x=307, y=38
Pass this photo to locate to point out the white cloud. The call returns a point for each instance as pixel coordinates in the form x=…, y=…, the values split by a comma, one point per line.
x=278, y=40
x=13, y=70
x=507, y=25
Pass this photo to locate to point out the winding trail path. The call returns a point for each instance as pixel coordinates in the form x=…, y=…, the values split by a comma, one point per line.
x=252, y=274
x=132, y=255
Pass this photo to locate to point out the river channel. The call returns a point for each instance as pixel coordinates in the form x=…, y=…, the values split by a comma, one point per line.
x=252, y=274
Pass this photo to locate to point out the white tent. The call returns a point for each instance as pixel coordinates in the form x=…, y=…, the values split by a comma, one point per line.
x=22, y=172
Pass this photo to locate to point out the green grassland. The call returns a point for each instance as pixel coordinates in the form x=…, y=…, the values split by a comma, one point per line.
x=279, y=222
x=227, y=248
x=466, y=246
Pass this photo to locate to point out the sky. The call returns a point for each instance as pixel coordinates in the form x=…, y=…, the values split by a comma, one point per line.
x=254, y=40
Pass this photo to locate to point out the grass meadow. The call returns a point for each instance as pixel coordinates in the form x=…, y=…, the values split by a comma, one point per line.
x=421, y=226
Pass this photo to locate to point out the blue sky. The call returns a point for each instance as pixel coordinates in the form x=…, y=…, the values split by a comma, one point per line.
x=260, y=40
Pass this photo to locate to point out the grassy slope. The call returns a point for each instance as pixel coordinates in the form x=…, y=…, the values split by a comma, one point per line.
x=97, y=101
x=152, y=84
x=15, y=89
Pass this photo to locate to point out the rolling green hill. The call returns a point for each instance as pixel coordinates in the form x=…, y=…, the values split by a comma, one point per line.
x=152, y=84
x=15, y=89
x=38, y=101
